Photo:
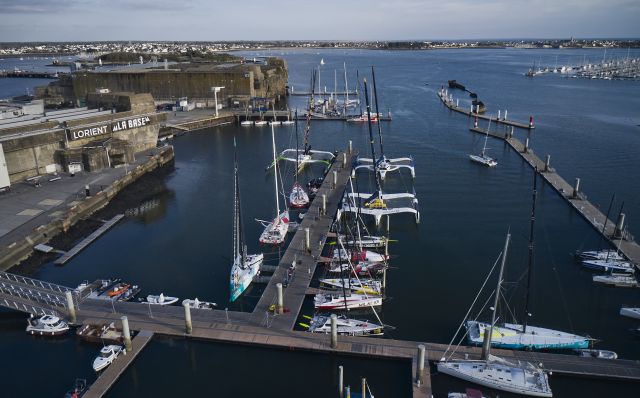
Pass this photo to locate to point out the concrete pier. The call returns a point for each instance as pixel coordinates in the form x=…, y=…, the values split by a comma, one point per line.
x=573, y=195
x=451, y=105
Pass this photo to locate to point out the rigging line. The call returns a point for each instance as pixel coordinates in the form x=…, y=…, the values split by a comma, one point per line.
x=559, y=282
x=473, y=303
x=466, y=330
x=358, y=279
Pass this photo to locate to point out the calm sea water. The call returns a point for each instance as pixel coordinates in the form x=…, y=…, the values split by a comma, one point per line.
x=589, y=127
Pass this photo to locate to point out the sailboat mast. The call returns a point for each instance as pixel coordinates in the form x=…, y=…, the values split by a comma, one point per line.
x=236, y=209
x=309, y=111
x=346, y=89
x=497, y=293
x=275, y=174
x=486, y=136
x=531, y=240
x=375, y=95
x=297, y=147
x=373, y=151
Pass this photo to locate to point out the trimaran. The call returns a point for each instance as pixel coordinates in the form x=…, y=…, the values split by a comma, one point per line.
x=382, y=165
x=245, y=266
x=307, y=155
x=376, y=204
x=496, y=372
x=525, y=336
x=275, y=231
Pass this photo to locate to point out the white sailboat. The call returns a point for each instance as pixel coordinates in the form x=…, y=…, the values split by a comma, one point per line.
x=349, y=301
x=495, y=372
x=524, y=336
x=630, y=312
x=245, y=266
x=609, y=254
x=345, y=326
x=483, y=158
x=275, y=231
x=298, y=198
x=617, y=280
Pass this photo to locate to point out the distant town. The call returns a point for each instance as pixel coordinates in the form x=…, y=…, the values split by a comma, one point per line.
x=164, y=47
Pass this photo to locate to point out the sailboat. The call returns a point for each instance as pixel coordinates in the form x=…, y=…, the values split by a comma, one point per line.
x=345, y=326
x=245, y=266
x=483, y=158
x=298, y=197
x=383, y=165
x=496, y=372
x=275, y=231
x=356, y=285
x=516, y=336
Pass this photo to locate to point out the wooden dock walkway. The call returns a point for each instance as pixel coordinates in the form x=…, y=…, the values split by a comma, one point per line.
x=452, y=105
x=110, y=375
x=586, y=209
x=88, y=240
x=319, y=224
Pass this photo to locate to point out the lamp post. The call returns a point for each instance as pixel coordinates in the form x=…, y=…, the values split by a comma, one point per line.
x=216, y=90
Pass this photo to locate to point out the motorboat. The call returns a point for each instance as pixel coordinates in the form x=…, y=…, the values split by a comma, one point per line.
x=246, y=123
x=118, y=289
x=161, y=299
x=511, y=336
x=197, y=304
x=630, y=312
x=101, y=333
x=356, y=285
x=345, y=326
x=612, y=255
x=260, y=123
x=78, y=389
x=130, y=293
x=363, y=118
x=600, y=354
x=323, y=301
x=298, y=197
x=609, y=265
x=107, y=355
x=617, y=280
x=47, y=325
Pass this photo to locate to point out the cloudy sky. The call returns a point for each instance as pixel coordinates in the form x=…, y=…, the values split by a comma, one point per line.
x=81, y=20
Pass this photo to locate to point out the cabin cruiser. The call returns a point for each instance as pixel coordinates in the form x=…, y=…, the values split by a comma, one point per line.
x=47, y=325
x=107, y=355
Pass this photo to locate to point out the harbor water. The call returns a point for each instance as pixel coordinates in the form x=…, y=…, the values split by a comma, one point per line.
x=182, y=245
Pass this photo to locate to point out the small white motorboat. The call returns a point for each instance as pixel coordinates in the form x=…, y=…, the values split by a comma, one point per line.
x=484, y=160
x=618, y=280
x=260, y=123
x=161, y=299
x=631, y=312
x=600, y=354
x=350, y=301
x=200, y=305
x=345, y=326
x=47, y=325
x=246, y=123
x=107, y=355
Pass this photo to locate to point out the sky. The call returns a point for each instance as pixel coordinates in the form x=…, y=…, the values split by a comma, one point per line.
x=214, y=20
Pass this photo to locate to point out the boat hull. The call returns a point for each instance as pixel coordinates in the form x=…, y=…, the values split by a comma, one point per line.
x=239, y=284
x=510, y=336
x=448, y=368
